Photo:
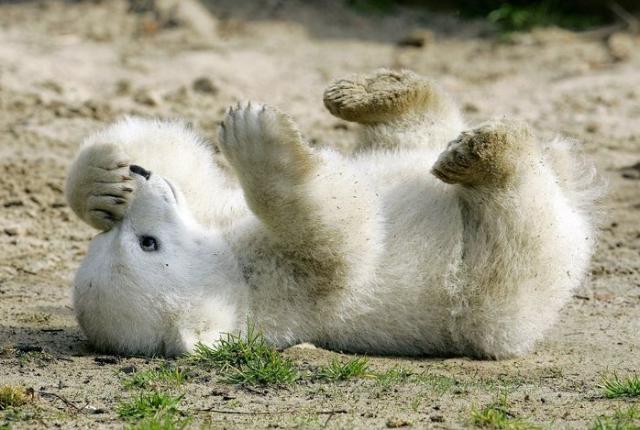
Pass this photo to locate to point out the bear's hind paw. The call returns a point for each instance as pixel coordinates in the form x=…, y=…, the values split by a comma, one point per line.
x=489, y=154
x=382, y=96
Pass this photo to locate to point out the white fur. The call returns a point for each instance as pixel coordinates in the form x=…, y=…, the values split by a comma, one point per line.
x=413, y=265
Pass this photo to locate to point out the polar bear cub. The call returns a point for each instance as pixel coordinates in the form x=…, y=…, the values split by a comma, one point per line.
x=427, y=240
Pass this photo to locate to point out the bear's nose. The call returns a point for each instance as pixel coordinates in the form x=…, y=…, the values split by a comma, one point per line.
x=138, y=170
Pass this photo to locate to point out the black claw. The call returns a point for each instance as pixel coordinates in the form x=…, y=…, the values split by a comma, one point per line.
x=105, y=214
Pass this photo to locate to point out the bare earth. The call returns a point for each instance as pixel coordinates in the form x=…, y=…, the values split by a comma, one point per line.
x=67, y=69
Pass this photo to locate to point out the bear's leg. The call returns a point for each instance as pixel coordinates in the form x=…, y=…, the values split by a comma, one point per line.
x=395, y=109
x=526, y=246
x=316, y=211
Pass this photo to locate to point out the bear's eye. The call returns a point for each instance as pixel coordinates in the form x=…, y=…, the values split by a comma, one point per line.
x=148, y=243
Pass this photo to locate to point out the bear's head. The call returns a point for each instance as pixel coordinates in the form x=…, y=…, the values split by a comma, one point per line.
x=157, y=282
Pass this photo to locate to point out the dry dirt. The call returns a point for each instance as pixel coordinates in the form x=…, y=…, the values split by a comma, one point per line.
x=68, y=68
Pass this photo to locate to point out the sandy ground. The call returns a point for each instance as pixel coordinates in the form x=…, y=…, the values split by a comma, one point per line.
x=67, y=69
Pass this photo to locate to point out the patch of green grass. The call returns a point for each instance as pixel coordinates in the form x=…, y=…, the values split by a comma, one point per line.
x=628, y=419
x=149, y=405
x=232, y=350
x=497, y=416
x=614, y=387
x=338, y=371
x=19, y=414
x=246, y=360
x=395, y=375
x=270, y=369
x=439, y=383
x=39, y=358
x=163, y=422
x=415, y=404
x=308, y=421
x=510, y=17
x=12, y=396
x=372, y=6
x=436, y=382
x=153, y=377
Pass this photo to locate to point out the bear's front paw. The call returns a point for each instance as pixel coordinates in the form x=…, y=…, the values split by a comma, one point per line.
x=100, y=187
x=263, y=143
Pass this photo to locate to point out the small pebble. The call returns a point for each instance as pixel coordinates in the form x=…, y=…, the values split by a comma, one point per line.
x=106, y=360
x=417, y=39
x=394, y=423
x=11, y=231
x=592, y=127
x=95, y=411
x=145, y=97
x=128, y=369
x=470, y=108
x=304, y=345
x=621, y=46
x=123, y=87
x=205, y=86
x=13, y=203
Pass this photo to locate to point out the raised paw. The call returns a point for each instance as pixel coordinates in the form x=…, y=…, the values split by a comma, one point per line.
x=99, y=187
x=382, y=96
x=263, y=144
x=490, y=154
